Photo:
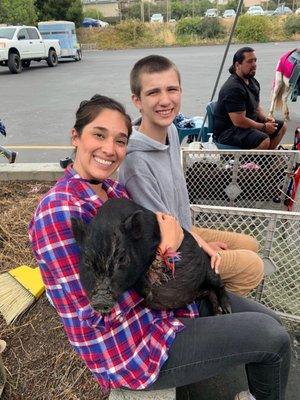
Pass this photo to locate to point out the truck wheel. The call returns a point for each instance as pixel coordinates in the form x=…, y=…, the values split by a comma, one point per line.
x=52, y=59
x=78, y=56
x=26, y=63
x=14, y=63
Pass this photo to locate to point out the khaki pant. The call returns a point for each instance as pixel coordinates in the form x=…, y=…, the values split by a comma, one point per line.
x=241, y=269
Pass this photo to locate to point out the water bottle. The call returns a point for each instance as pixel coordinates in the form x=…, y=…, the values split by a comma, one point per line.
x=210, y=145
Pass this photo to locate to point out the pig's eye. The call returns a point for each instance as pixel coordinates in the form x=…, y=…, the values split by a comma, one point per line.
x=123, y=259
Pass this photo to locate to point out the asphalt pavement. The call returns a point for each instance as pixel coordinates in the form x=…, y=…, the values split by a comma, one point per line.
x=38, y=106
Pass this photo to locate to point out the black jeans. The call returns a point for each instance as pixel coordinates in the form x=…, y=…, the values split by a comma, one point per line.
x=251, y=335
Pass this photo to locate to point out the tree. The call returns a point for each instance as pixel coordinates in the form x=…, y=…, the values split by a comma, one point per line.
x=75, y=12
x=18, y=12
x=60, y=10
x=93, y=13
x=3, y=13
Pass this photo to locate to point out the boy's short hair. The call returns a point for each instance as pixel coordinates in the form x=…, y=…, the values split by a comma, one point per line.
x=149, y=65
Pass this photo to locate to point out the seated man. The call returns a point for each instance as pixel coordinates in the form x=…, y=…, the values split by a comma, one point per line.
x=239, y=118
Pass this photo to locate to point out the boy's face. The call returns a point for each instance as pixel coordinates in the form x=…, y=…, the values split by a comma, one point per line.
x=160, y=98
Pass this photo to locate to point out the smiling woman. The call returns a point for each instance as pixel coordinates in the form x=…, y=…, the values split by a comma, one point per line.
x=100, y=136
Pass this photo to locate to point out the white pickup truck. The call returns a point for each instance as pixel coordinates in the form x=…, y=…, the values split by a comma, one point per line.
x=19, y=45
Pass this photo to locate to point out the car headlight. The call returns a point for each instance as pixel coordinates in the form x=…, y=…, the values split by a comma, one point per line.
x=2, y=45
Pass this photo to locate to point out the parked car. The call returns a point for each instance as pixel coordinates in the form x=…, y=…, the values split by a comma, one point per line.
x=157, y=18
x=65, y=32
x=90, y=23
x=172, y=21
x=269, y=13
x=19, y=45
x=103, y=24
x=297, y=11
x=282, y=11
x=211, y=12
x=255, y=10
x=230, y=13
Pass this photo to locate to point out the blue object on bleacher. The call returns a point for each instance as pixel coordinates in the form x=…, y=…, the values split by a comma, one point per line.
x=189, y=127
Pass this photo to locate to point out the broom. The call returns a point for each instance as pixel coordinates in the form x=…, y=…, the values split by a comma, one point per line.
x=19, y=289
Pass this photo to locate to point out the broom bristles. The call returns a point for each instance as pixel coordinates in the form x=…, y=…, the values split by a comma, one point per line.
x=14, y=298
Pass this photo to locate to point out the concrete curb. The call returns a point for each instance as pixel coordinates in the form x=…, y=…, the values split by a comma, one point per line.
x=30, y=172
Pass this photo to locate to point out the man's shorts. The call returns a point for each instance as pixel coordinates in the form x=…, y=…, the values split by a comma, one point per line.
x=248, y=138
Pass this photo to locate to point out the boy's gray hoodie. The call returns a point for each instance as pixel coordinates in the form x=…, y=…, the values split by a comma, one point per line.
x=153, y=176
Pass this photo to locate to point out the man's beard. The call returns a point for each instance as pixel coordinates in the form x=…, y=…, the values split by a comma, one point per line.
x=250, y=75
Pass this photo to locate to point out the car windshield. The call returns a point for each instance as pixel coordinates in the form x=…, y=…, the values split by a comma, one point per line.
x=7, y=33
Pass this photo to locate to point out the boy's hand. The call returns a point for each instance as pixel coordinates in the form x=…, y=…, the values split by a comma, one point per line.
x=215, y=261
x=218, y=246
x=171, y=232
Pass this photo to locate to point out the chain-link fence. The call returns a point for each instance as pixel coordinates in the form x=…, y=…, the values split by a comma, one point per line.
x=241, y=178
x=279, y=236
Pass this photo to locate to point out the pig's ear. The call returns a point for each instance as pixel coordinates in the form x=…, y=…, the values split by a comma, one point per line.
x=133, y=225
x=79, y=230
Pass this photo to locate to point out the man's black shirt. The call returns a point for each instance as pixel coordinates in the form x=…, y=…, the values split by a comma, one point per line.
x=235, y=95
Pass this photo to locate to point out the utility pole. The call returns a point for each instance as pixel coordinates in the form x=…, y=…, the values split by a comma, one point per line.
x=142, y=11
x=193, y=9
x=168, y=10
x=120, y=9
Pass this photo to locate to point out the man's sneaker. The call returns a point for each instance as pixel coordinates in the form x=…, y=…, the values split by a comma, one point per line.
x=244, y=396
x=13, y=157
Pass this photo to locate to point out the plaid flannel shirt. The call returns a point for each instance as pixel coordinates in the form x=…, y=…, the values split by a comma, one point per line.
x=128, y=346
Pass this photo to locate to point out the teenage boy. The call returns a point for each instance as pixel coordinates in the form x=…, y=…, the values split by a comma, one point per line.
x=153, y=175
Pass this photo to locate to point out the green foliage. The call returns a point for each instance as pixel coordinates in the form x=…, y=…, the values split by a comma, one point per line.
x=177, y=9
x=180, y=9
x=205, y=28
x=93, y=13
x=75, y=12
x=60, y=10
x=188, y=26
x=18, y=12
x=252, y=28
x=131, y=31
x=291, y=25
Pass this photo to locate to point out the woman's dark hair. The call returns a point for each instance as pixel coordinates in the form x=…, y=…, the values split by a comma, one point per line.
x=89, y=109
x=239, y=57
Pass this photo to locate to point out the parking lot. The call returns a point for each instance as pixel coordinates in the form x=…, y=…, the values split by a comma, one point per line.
x=38, y=105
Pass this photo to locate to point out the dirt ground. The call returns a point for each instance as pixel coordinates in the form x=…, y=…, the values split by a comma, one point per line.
x=39, y=361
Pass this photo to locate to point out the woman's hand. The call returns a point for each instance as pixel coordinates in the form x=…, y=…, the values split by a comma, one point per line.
x=171, y=232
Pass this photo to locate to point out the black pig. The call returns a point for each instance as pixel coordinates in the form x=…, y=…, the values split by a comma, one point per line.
x=118, y=249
